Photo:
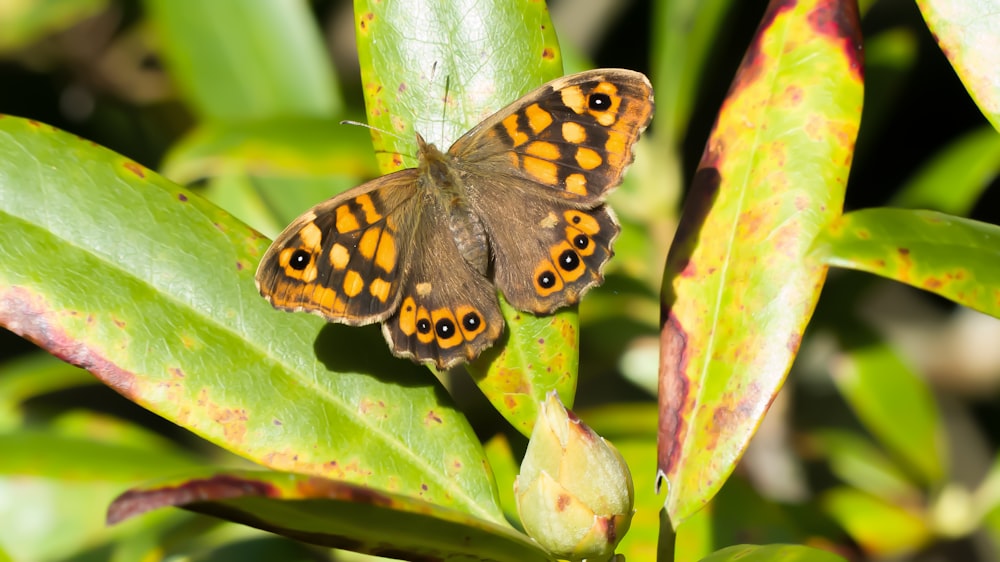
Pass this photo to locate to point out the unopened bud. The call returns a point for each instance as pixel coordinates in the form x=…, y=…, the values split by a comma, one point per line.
x=574, y=492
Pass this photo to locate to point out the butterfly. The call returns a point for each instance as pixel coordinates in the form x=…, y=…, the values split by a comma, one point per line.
x=516, y=205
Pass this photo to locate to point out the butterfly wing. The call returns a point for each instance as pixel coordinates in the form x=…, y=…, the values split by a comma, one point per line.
x=547, y=252
x=536, y=174
x=346, y=258
x=572, y=136
x=448, y=311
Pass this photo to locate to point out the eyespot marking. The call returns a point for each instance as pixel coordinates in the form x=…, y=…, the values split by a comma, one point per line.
x=444, y=328
x=547, y=281
x=425, y=332
x=471, y=322
x=300, y=259
x=568, y=262
x=586, y=223
x=599, y=102
x=298, y=264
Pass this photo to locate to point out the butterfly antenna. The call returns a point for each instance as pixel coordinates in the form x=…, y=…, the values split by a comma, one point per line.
x=367, y=126
x=444, y=108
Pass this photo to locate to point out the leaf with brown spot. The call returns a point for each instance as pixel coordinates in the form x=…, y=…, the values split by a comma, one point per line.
x=333, y=514
x=739, y=287
x=954, y=257
x=447, y=92
x=117, y=274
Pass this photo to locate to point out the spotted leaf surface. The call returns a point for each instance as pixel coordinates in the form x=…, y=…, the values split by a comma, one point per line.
x=427, y=87
x=110, y=267
x=334, y=514
x=951, y=256
x=739, y=289
x=967, y=32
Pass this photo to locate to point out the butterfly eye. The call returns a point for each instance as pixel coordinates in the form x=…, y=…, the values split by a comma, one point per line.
x=546, y=280
x=581, y=241
x=471, y=321
x=444, y=328
x=599, y=102
x=568, y=260
x=300, y=260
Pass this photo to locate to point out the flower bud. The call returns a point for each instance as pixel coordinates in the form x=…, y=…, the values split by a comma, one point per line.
x=574, y=493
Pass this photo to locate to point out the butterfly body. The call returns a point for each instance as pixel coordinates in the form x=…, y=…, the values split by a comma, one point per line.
x=440, y=179
x=515, y=205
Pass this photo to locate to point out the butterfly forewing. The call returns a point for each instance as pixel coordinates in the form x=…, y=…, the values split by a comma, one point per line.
x=573, y=135
x=346, y=258
x=546, y=162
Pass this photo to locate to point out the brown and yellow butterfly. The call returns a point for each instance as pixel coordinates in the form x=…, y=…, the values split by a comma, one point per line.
x=515, y=205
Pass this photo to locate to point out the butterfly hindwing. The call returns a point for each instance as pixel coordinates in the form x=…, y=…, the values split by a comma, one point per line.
x=448, y=311
x=548, y=252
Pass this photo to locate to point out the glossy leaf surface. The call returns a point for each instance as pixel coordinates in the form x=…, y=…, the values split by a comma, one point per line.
x=966, y=31
x=110, y=267
x=416, y=83
x=336, y=514
x=739, y=289
x=951, y=256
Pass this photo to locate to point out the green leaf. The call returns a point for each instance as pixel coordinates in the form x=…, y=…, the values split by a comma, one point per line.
x=956, y=177
x=738, y=288
x=33, y=375
x=858, y=462
x=110, y=267
x=426, y=68
x=277, y=147
x=640, y=543
x=505, y=468
x=535, y=355
x=882, y=529
x=26, y=21
x=772, y=553
x=962, y=30
x=55, y=490
x=683, y=34
x=896, y=405
x=415, y=82
x=891, y=57
x=331, y=513
x=234, y=61
x=953, y=257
